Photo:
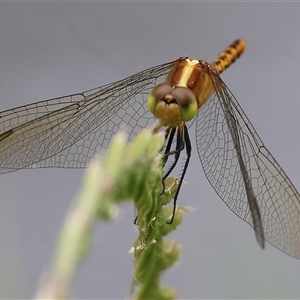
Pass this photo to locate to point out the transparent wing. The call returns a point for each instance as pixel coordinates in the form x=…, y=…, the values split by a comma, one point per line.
x=276, y=196
x=68, y=131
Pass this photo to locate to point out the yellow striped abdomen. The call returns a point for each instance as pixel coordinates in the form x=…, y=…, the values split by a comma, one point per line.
x=229, y=55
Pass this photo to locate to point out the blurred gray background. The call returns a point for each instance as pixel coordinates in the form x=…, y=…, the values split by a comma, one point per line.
x=54, y=49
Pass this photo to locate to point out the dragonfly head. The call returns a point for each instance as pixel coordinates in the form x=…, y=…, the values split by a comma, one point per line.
x=172, y=105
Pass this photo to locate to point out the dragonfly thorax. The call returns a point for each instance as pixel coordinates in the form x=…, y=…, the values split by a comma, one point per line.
x=195, y=75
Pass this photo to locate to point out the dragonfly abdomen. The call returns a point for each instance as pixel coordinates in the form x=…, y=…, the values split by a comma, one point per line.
x=229, y=55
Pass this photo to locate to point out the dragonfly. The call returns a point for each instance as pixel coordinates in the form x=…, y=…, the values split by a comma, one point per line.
x=67, y=131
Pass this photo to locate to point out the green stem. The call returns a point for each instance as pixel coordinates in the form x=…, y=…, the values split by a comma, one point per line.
x=127, y=172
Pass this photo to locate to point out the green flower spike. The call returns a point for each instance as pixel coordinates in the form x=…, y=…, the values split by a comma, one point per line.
x=127, y=172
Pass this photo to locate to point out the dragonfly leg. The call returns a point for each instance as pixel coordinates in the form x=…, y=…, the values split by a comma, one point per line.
x=176, y=152
x=188, y=153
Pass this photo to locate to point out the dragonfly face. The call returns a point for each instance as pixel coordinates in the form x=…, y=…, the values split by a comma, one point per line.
x=67, y=132
x=172, y=105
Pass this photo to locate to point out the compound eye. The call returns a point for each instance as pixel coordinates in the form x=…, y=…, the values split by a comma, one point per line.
x=187, y=102
x=158, y=93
